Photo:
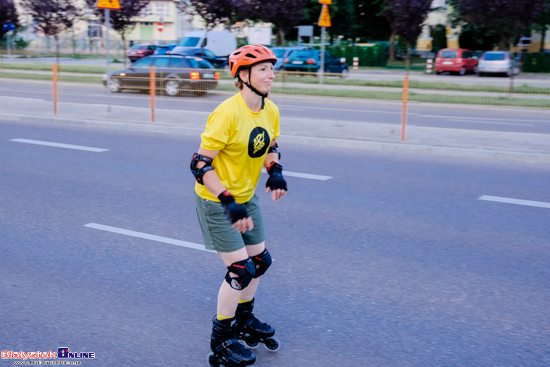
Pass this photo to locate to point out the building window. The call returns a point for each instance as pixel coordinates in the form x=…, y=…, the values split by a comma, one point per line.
x=157, y=10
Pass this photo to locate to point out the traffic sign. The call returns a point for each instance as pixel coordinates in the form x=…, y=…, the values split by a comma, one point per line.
x=8, y=27
x=326, y=2
x=108, y=4
x=324, y=19
x=160, y=26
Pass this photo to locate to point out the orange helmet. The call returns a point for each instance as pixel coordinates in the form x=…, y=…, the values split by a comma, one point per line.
x=248, y=56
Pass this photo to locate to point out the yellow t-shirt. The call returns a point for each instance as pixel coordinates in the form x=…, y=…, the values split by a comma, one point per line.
x=243, y=138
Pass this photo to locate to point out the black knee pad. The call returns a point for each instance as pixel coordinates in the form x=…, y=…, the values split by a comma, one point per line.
x=245, y=271
x=262, y=262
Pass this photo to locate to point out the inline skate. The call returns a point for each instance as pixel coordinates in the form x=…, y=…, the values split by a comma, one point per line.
x=226, y=349
x=252, y=331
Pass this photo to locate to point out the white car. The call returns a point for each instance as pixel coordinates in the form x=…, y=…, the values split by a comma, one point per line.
x=496, y=62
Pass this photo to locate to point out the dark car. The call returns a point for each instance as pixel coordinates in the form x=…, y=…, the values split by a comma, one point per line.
x=164, y=49
x=219, y=62
x=283, y=53
x=136, y=52
x=174, y=74
x=310, y=61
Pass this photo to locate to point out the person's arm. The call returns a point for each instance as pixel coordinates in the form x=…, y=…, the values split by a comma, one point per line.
x=236, y=213
x=276, y=182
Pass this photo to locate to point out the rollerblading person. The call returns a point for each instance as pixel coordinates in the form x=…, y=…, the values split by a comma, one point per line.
x=239, y=140
x=226, y=350
x=252, y=331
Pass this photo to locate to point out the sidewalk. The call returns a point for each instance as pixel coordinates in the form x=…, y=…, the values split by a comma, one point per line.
x=302, y=131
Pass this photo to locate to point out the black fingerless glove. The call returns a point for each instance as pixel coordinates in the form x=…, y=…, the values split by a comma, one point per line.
x=276, y=179
x=233, y=211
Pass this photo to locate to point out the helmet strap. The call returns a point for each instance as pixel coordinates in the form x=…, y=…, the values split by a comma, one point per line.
x=264, y=96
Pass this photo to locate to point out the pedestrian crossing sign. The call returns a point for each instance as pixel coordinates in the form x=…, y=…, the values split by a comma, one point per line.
x=324, y=19
x=108, y=4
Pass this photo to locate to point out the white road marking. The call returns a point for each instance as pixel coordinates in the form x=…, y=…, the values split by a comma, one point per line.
x=26, y=99
x=146, y=236
x=499, y=199
x=303, y=175
x=489, y=122
x=60, y=145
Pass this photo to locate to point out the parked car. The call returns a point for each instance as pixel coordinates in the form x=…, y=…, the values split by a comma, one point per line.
x=283, y=53
x=136, y=52
x=164, y=49
x=496, y=62
x=455, y=60
x=219, y=62
x=310, y=61
x=173, y=74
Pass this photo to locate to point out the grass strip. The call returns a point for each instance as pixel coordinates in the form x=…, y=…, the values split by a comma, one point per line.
x=416, y=84
x=376, y=95
x=62, y=78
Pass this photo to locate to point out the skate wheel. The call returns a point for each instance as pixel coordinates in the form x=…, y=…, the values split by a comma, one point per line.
x=213, y=362
x=272, y=344
x=250, y=345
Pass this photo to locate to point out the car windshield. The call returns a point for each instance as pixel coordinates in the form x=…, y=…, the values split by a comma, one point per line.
x=304, y=53
x=199, y=62
x=495, y=57
x=136, y=47
x=189, y=41
x=448, y=54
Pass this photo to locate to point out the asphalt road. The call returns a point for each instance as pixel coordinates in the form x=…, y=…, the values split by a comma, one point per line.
x=528, y=120
x=392, y=261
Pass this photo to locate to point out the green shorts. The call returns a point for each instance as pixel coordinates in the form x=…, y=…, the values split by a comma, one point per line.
x=217, y=231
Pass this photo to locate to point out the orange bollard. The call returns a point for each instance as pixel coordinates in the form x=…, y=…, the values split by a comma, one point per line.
x=405, y=99
x=152, y=90
x=54, y=79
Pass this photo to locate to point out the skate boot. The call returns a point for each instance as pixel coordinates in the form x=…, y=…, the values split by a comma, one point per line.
x=252, y=331
x=226, y=349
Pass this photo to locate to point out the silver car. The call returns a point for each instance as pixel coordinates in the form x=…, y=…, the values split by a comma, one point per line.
x=496, y=62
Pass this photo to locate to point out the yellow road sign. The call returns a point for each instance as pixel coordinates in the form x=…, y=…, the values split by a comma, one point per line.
x=326, y=2
x=108, y=4
x=324, y=18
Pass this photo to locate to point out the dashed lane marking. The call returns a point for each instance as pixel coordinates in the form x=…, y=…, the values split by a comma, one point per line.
x=498, y=199
x=303, y=175
x=60, y=145
x=146, y=236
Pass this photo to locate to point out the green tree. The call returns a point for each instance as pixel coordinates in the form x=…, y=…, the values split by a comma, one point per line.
x=542, y=24
x=439, y=37
x=52, y=17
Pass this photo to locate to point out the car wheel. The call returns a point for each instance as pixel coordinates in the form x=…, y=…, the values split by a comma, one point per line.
x=475, y=71
x=462, y=71
x=345, y=73
x=114, y=85
x=172, y=87
x=438, y=72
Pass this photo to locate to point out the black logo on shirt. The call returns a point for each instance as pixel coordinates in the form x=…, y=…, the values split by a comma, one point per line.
x=258, y=142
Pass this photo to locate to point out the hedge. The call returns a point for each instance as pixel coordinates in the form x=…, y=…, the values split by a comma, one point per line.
x=536, y=63
x=368, y=55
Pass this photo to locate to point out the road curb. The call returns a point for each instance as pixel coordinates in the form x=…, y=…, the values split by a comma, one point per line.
x=299, y=140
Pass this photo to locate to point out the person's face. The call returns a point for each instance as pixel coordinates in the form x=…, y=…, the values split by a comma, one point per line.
x=262, y=76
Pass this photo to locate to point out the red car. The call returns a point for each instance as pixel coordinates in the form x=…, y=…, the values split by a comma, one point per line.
x=455, y=60
x=136, y=52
